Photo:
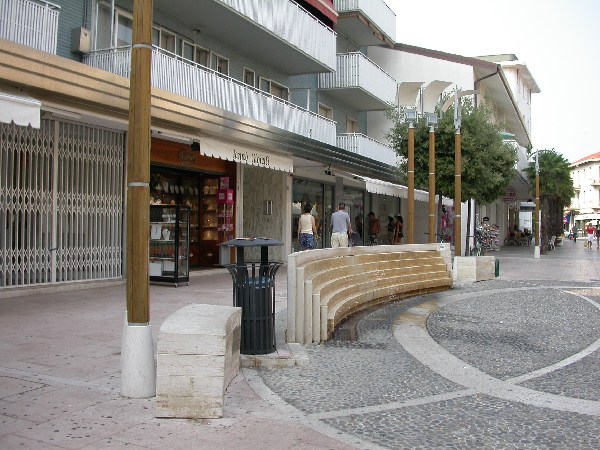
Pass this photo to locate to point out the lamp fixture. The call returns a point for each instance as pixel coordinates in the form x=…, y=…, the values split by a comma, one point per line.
x=410, y=115
x=328, y=170
x=432, y=119
x=195, y=145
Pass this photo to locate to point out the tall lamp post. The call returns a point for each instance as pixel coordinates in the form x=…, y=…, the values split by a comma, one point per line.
x=430, y=98
x=407, y=96
x=457, y=166
x=536, y=251
x=410, y=116
x=432, y=121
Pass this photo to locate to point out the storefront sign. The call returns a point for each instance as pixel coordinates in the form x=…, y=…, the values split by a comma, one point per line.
x=245, y=155
x=187, y=157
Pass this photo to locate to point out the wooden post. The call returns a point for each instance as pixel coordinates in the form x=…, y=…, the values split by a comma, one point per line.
x=411, y=184
x=431, y=185
x=457, y=193
x=138, y=165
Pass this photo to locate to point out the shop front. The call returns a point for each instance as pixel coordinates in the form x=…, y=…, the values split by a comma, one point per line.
x=181, y=175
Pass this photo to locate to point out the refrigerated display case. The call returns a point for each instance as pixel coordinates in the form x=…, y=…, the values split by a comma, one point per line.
x=169, y=244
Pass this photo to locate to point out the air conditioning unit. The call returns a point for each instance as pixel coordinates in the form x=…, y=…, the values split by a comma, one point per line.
x=81, y=40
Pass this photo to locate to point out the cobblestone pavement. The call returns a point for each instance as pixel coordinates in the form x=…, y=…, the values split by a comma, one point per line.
x=498, y=365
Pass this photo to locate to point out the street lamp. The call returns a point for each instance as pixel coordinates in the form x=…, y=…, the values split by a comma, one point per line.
x=457, y=166
x=410, y=116
x=536, y=251
x=430, y=97
x=407, y=96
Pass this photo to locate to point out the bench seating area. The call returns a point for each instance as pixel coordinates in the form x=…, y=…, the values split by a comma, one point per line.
x=327, y=286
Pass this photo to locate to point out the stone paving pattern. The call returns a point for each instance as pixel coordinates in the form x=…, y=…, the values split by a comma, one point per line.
x=511, y=363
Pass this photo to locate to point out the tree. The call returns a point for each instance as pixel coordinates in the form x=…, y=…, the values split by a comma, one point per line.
x=487, y=161
x=556, y=190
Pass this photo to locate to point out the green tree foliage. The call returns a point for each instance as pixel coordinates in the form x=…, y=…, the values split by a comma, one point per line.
x=487, y=161
x=556, y=190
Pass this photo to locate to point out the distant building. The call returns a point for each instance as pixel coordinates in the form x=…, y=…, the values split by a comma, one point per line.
x=585, y=206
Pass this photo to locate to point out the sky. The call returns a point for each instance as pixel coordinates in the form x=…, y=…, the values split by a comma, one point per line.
x=558, y=40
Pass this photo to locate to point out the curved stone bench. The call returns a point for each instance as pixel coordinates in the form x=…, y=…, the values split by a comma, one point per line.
x=327, y=286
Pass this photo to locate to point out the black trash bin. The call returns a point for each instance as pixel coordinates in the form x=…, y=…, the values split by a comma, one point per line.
x=254, y=292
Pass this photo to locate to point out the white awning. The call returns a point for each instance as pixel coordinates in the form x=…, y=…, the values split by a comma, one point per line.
x=375, y=186
x=232, y=151
x=385, y=188
x=17, y=107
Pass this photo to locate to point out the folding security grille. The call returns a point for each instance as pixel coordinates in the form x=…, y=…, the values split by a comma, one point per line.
x=61, y=203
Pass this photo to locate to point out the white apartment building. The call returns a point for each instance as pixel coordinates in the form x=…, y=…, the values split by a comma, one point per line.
x=585, y=206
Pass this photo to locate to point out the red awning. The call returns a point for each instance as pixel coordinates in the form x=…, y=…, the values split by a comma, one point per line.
x=325, y=7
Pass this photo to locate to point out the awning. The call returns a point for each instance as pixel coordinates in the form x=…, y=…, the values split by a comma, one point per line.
x=245, y=155
x=17, y=107
x=375, y=186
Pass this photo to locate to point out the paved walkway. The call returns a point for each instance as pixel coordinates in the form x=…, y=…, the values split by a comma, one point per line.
x=508, y=363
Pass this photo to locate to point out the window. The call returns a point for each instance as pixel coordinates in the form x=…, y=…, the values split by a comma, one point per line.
x=163, y=39
x=123, y=29
x=249, y=77
x=351, y=125
x=279, y=91
x=325, y=111
x=275, y=89
x=220, y=64
x=194, y=53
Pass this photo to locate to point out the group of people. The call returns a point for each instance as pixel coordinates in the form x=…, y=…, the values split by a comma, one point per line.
x=341, y=229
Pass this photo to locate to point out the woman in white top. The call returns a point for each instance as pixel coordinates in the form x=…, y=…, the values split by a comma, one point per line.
x=307, y=229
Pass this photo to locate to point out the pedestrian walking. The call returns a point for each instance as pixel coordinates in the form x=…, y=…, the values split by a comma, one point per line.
x=598, y=234
x=398, y=229
x=340, y=227
x=591, y=230
x=307, y=229
x=374, y=229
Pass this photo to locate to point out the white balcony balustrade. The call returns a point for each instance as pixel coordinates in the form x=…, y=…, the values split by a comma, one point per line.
x=288, y=21
x=368, y=147
x=377, y=12
x=186, y=78
x=30, y=23
x=360, y=83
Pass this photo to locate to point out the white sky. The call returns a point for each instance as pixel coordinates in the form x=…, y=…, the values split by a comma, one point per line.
x=558, y=40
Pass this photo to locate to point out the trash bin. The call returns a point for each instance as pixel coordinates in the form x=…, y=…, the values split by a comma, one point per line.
x=254, y=292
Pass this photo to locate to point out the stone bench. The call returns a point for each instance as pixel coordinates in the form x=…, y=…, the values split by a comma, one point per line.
x=327, y=286
x=198, y=354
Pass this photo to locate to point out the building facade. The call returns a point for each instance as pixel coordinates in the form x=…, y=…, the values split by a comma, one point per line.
x=279, y=101
x=585, y=206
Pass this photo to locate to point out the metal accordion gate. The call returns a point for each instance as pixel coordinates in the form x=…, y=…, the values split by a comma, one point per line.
x=61, y=203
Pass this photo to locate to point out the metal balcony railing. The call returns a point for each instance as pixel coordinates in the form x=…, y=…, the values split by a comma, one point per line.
x=368, y=147
x=186, y=78
x=355, y=70
x=30, y=22
x=376, y=10
x=299, y=28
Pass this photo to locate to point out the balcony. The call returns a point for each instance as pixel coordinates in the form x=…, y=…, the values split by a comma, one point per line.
x=173, y=74
x=367, y=147
x=30, y=23
x=360, y=83
x=279, y=33
x=366, y=22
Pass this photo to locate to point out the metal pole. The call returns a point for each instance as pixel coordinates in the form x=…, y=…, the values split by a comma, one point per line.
x=457, y=193
x=431, y=185
x=538, y=231
x=411, y=184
